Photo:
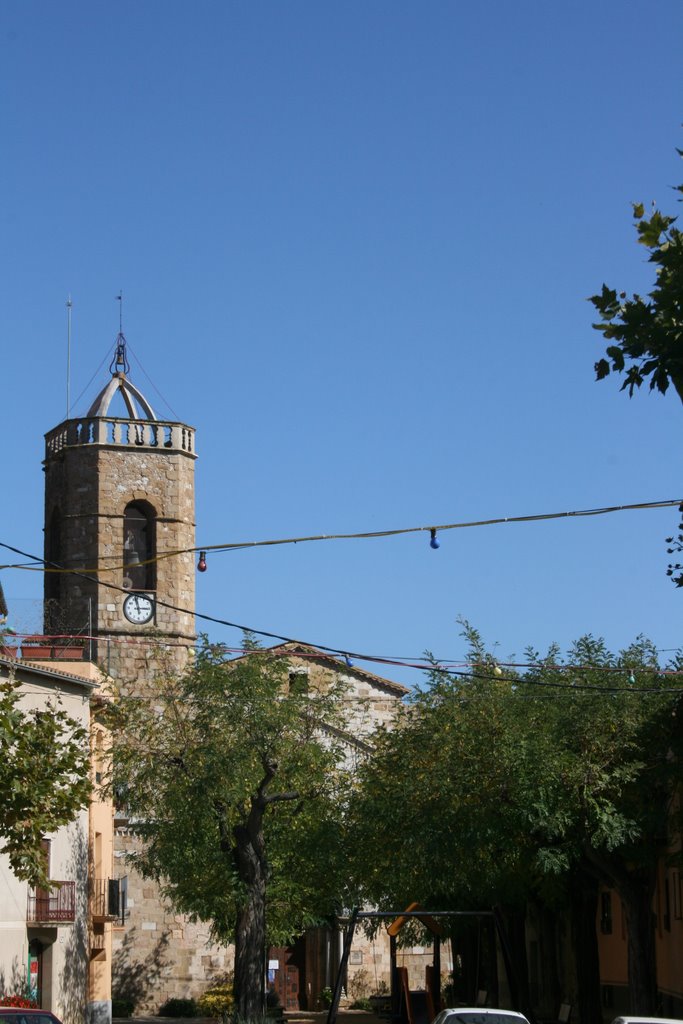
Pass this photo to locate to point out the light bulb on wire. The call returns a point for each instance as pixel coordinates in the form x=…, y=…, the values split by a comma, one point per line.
x=201, y=564
x=434, y=543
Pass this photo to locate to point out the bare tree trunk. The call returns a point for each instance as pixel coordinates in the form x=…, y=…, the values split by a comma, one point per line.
x=250, y=929
x=249, y=852
x=584, y=908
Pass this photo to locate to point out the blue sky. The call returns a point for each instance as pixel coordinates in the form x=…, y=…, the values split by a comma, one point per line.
x=355, y=242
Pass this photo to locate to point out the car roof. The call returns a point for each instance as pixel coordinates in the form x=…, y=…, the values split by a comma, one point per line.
x=481, y=1012
x=647, y=1020
x=27, y=1011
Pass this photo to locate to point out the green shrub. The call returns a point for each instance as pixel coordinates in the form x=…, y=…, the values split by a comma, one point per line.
x=121, y=1007
x=362, y=1004
x=216, y=1001
x=178, y=1008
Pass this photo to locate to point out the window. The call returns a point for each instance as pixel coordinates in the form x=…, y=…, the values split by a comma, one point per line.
x=606, y=913
x=53, y=580
x=676, y=879
x=298, y=681
x=139, y=546
x=667, y=905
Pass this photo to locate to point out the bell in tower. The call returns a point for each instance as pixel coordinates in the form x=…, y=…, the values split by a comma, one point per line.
x=119, y=504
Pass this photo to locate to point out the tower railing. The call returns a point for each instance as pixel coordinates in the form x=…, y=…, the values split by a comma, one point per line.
x=120, y=433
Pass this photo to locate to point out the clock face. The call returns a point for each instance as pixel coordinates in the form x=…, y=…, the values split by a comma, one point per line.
x=138, y=608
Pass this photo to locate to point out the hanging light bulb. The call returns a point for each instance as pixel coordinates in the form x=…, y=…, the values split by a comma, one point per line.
x=632, y=678
x=201, y=564
x=349, y=663
x=434, y=542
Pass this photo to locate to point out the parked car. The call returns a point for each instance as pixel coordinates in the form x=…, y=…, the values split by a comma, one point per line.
x=480, y=1015
x=20, y=1015
x=647, y=1020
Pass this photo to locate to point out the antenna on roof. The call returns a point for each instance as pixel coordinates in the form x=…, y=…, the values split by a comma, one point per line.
x=119, y=363
x=69, y=304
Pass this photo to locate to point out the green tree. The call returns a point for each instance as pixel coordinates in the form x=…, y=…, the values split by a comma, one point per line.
x=645, y=335
x=675, y=569
x=44, y=779
x=619, y=746
x=500, y=787
x=235, y=783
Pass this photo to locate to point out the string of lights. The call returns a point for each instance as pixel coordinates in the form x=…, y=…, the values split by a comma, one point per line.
x=456, y=671
x=516, y=683
x=37, y=565
x=94, y=576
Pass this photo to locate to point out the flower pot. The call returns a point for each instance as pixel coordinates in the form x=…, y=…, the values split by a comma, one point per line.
x=35, y=651
x=70, y=653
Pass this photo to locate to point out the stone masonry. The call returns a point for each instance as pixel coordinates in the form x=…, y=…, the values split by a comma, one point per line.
x=93, y=470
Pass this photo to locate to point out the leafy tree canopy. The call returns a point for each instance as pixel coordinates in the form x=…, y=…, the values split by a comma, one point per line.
x=645, y=335
x=235, y=784
x=44, y=779
x=500, y=783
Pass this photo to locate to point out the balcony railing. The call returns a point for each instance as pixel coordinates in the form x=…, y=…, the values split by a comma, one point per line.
x=56, y=907
x=109, y=899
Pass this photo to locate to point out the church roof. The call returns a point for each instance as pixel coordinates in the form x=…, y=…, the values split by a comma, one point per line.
x=308, y=651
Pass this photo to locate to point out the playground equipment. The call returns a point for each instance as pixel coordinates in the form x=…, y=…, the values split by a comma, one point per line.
x=421, y=1006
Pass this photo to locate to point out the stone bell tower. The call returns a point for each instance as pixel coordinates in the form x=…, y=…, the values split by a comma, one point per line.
x=119, y=517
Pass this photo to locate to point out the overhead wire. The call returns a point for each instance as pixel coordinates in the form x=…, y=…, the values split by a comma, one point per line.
x=364, y=535
x=94, y=575
x=445, y=668
x=153, y=385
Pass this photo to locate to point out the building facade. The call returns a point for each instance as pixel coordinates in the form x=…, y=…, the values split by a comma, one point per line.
x=56, y=943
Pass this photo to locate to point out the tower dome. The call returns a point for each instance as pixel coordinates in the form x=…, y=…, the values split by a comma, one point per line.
x=119, y=528
x=119, y=383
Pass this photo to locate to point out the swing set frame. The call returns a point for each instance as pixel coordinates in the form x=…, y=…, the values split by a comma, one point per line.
x=428, y=919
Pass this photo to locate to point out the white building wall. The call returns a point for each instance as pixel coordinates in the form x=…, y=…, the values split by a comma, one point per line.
x=65, y=948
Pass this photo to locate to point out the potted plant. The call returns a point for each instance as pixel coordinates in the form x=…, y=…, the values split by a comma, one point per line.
x=7, y=650
x=33, y=647
x=69, y=649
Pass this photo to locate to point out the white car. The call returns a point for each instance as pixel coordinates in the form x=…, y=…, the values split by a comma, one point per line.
x=647, y=1020
x=481, y=1015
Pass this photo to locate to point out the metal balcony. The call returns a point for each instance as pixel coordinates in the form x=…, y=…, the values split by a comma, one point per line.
x=55, y=907
x=108, y=899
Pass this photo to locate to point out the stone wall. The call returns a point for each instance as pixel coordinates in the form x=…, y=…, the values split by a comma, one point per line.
x=87, y=488
x=159, y=954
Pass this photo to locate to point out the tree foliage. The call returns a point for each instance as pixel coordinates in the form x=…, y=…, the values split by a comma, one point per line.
x=235, y=785
x=675, y=569
x=645, y=334
x=500, y=785
x=44, y=779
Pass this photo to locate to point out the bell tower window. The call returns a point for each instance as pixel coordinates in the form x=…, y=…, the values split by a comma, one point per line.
x=139, y=546
x=53, y=580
